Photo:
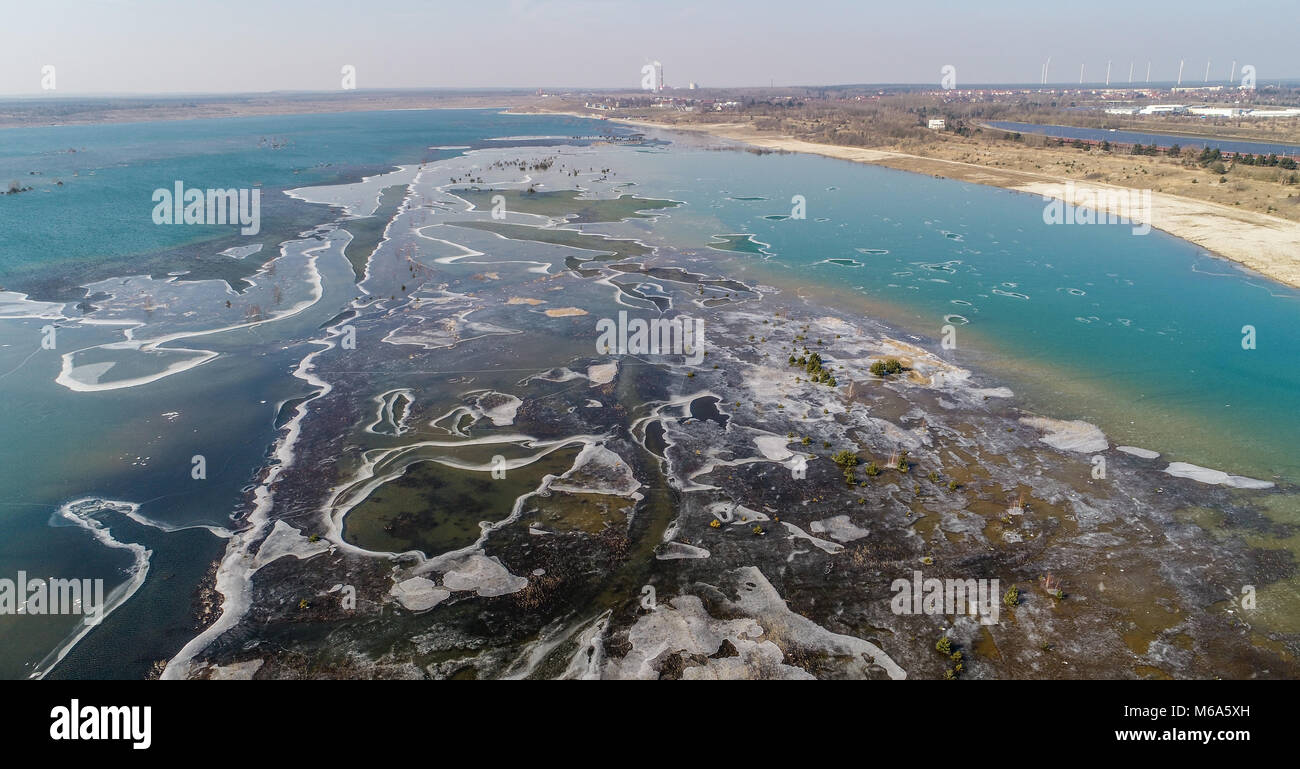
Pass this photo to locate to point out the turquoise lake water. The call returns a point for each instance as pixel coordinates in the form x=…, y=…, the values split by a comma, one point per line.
x=1140, y=333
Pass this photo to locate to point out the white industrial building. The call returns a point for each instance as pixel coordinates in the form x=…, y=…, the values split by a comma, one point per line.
x=1217, y=111
x=1291, y=112
x=1163, y=109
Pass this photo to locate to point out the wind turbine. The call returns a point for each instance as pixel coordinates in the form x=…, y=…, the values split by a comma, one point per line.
x=1148, y=72
x=1130, y=72
x=1108, y=73
x=1181, y=62
x=1207, y=70
x=1080, y=73
x=1232, y=76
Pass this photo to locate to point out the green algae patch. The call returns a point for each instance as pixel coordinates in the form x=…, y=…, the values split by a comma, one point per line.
x=567, y=204
x=606, y=249
x=434, y=508
x=590, y=513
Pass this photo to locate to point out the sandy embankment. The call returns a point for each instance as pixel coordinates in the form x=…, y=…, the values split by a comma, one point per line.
x=1267, y=244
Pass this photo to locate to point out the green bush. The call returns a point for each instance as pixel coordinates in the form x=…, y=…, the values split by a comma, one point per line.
x=845, y=459
x=886, y=367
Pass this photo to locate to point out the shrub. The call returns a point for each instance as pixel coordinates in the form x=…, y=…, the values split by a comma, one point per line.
x=944, y=645
x=1012, y=598
x=845, y=459
x=886, y=367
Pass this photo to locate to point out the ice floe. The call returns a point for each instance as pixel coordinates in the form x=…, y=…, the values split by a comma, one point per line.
x=286, y=540
x=1215, y=477
x=419, y=594
x=1072, y=435
x=1137, y=452
x=838, y=528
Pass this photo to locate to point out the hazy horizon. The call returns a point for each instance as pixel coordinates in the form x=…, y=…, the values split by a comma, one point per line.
x=150, y=48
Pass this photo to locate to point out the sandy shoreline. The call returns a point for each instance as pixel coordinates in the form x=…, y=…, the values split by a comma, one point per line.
x=1269, y=245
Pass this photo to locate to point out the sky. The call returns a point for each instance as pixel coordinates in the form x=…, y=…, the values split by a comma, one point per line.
x=241, y=46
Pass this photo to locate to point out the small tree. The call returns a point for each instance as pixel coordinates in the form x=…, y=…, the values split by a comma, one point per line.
x=1012, y=597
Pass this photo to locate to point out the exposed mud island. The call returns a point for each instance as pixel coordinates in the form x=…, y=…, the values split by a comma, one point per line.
x=481, y=489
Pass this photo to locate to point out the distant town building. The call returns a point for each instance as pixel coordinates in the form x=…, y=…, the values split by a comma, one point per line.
x=1217, y=111
x=1163, y=109
x=1291, y=112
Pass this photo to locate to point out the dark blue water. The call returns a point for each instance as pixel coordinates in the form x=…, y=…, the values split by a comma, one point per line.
x=1162, y=140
